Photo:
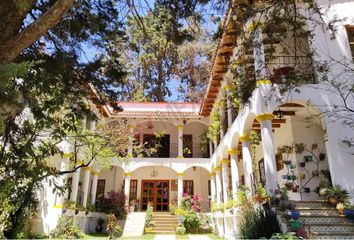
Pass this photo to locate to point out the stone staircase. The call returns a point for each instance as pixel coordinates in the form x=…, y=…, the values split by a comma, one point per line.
x=164, y=223
x=321, y=221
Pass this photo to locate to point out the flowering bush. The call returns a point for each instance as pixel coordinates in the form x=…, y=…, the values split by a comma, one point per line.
x=189, y=202
x=114, y=203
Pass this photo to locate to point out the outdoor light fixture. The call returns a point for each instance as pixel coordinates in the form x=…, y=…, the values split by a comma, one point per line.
x=279, y=113
x=194, y=168
x=184, y=121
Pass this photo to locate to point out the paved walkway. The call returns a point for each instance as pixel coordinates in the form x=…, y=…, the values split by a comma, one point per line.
x=173, y=237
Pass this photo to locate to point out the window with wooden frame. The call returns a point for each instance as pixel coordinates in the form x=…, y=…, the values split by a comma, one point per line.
x=350, y=34
x=279, y=161
x=101, y=183
x=188, y=187
x=209, y=188
x=133, y=194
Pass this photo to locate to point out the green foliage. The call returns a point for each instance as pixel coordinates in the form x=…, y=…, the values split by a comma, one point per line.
x=191, y=222
x=290, y=236
x=113, y=204
x=337, y=192
x=214, y=128
x=148, y=216
x=114, y=231
x=257, y=222
x=180, y=230
x=67, y=229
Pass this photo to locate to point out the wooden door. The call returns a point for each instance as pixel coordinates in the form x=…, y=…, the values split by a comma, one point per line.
x=157, y=193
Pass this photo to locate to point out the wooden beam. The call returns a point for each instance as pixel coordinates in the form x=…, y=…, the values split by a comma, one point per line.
x=277, y=120
x=291, y=105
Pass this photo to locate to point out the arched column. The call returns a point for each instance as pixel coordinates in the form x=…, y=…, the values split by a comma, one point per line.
x=179, y=188
x=247, y=160
x=85, y=185
x=218, y=184
x=212, y=186
x=210, y=148
x=75, y=183
x=270, y=165
x=127, y=187
x=180, y=141
x=94, y=186
x=234, y=171
x=225, y=178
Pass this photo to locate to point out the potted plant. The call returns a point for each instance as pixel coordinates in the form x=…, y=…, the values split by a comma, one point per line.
x=322, y=156
x=315, y=173
x=295, y=224
x=336, y=194
x=99, y=226
x=314, y=146
x=299, y=147
x=302, y=164
x=306, y=189
x=302, y=176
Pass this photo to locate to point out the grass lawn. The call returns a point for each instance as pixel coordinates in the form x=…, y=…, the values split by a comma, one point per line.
x=144, y=237
x=178, y=237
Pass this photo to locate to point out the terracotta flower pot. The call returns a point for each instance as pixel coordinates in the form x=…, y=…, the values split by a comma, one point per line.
x=332, y=200
x=340, y=208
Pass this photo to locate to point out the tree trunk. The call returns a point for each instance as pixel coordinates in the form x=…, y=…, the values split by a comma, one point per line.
x=14, y=45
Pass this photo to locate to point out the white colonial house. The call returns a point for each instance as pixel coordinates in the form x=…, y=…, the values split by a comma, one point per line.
x=297, y=119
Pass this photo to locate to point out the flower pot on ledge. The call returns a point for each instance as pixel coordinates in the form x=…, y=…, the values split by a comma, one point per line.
x=148, y=229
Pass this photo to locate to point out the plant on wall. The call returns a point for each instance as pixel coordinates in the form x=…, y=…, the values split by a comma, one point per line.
x=255, y=139
x=204, y=143
x=314, y=156
x=214, y=128
x=291, y=183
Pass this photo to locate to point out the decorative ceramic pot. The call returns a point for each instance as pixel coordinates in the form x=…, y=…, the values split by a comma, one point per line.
x=349, y=213
x=307, y=189
x=332, y=200
x=302, y=164
x=340, y=208
x=294, y=225
x=295, y=214
x=302, y=176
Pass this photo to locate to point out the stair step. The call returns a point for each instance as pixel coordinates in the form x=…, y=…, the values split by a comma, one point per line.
x=312, y=204
x=332, y=235
x=162, y=232
x=315, y=219
x=331, y=227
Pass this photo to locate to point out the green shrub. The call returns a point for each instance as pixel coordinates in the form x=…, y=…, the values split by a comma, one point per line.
x=180, y=230
x=113, y=230
x=67, y=229
x=257, y=222
x=148, y=216
x=290, y=236
x=191, y=222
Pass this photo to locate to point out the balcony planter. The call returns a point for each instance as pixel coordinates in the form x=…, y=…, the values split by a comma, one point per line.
x=295, y=224
x=295, y=214
x=315, y=173
x=292, y=166
x=308, y=158
x=349, y=213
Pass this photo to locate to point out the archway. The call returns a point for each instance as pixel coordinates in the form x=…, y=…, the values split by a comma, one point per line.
x=155, y=185
x=196, y=180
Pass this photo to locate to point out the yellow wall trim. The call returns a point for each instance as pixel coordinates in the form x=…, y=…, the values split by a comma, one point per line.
x=218, y=168
x=68, y=155
x=245, y=138
x=180, y=157
x=180, y=174
x=233, y=151
x=131, y=126
x=264, y=117
x=58, y=206
x=264, y=81
x=95, y=173
x=224, y=161
x=127, y=174
x=86, y=168
x=212, y=174
x=180, y=126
